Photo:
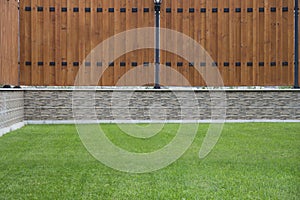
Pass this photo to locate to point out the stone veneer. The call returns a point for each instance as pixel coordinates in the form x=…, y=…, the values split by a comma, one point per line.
x=145, y=104
x=11, y=109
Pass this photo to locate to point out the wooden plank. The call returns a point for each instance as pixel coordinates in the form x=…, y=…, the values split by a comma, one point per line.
x=255, y=42
x=209, y=41
x=256, y=36
x=129, y=43
x=214, y=38
x=57, y=42
x=223, y=38
x=226, y=28
x=169, y=57
x=81, y=35
x=64, y=42
x=116, y=27
x=232, y=44
x=180, y=45
x=22, y=41
x=140, y=42
x=220, y=38
x=140, y=59
x=88, y=40
x=103, y=36
x=272, y=52
x=108, y=32
x=34, y=50
x=28, y=49
x=2, y=15
x=196, y=35
x=146, y=41
x=184, y=70
x=122, y=28
x=151, y=51
x=211, y=65
x=201, y=30
x=46, y=43
x=284, y=43
x=291, y=42
x=164, y=22
x=40, y=43
x=14, y=79
x=261, y=44
x=129, y=4
x=226, y=42
x=191, y=69
x=249, y=44
x=112, y=23
x=134, y=54
x=173, y=58
x=99, y=57
x=273, y=40
x=75, y=39
x=4, y=40
x=244, y=36
x=13, y=47
x=266, y=41
x=148, y=55
x=68, y=73
x=95, y=30
x=238, y=43
x=279, y=46
x=267, y=48
x=51, y=43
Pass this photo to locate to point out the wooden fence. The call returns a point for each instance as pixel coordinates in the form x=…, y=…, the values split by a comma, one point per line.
x=9, y=42
x=251, y=41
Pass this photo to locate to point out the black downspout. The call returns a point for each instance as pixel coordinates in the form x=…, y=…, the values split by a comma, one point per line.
x=296, y=77
x=157, y=57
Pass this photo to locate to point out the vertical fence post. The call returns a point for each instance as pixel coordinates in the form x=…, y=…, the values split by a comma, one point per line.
x=157, y=43
x=296, y=70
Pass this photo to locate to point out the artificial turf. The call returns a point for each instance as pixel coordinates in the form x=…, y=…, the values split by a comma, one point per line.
x=250, y=161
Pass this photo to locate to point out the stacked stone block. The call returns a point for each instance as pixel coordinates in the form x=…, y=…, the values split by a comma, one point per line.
x=161, y=105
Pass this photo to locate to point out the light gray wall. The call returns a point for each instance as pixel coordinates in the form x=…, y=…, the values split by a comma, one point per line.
x=162, y=105
x=11, y=107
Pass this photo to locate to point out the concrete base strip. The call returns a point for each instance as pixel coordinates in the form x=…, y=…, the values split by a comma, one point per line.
x=155, y=121
x=11, y=128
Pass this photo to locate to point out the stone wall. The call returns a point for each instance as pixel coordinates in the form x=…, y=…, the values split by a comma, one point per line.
x=163, y=105
x=11, y=109
x=19, y=106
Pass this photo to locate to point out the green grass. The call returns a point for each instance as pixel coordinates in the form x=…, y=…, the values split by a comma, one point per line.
x=250, y=161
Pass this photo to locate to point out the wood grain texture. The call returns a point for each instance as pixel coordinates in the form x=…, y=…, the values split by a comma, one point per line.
x=250, y=41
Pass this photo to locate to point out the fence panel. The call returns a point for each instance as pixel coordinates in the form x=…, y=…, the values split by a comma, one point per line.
x=9, y=42
x=251, y=42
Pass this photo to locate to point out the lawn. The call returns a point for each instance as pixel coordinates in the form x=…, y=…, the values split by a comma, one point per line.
x=250, y=161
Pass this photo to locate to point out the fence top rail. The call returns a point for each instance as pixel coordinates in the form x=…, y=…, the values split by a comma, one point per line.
x=152, y=90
